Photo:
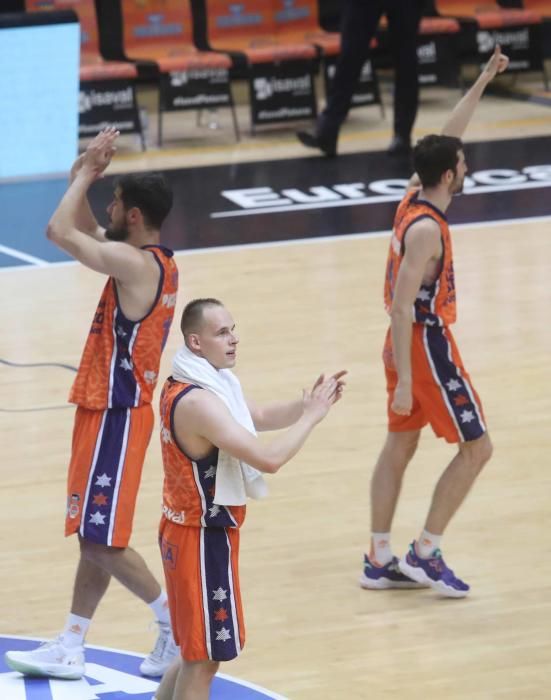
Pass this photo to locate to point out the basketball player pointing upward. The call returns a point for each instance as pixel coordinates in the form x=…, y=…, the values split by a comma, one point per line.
x=113, y=391
x=426, y=380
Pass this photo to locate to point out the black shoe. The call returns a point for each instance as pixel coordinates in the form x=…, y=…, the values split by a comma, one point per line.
x=327, y=146
x=399, y=146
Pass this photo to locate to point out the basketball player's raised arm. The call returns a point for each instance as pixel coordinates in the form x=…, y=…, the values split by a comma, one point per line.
x=464, y=109
x=281, y=414
x=423, y=243
x=202, y=414
x=120, y=260
x=85, y=219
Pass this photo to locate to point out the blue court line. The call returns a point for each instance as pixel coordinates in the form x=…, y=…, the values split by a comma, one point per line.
x=26, y=209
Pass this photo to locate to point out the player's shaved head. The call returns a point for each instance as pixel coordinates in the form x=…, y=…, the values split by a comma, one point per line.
x=193, y=315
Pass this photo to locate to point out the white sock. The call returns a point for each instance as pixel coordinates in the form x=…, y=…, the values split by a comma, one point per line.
x=381, y=553
x=75, y=630
x=160, y=608
x=427, y=543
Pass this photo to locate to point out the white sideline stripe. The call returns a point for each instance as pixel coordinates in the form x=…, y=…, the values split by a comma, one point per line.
x=313, y=240
x=484, y=189
x=439, y=384
x=14, y=253
x=235, y=621
x=204, y=591
x=92, y=470
x=118, y=478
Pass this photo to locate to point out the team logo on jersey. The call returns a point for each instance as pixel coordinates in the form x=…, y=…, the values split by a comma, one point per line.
x=110, y=675
x=73, y=505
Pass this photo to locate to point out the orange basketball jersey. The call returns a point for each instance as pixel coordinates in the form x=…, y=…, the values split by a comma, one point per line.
x=120, y=363
x=188, y=490
x=435, y=303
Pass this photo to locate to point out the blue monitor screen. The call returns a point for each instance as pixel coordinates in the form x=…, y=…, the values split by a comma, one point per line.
x=39, y=83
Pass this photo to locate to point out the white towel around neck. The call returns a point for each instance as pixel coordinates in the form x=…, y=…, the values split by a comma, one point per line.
x=235, y=480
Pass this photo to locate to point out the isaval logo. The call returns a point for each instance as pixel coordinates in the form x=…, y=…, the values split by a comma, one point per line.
x=266, y=87
x=515, y=39
x=110, y=675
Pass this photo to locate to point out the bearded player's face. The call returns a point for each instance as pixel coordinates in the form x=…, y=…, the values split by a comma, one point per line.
x=117, y=229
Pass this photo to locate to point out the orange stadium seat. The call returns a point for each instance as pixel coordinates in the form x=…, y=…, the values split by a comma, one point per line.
x=437, y=49
x=162, y=31
x=271, y=61
x=487, y=14
x=299, y=23
x=248, y=27
x=486, y=23
x=93, y=67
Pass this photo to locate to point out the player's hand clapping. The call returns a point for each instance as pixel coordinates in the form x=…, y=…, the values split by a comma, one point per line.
x=99, y=152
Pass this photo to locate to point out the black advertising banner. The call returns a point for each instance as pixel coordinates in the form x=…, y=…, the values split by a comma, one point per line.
x=438, y=60
x=367, y=89
x=195, y=89
x=107, y=103
x=241, y=203
x=521, y=44
x=281, y=92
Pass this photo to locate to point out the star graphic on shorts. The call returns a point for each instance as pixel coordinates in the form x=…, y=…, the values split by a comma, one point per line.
x=211, y=471
x=220, y=594
x=461, y=400
x=467, y=416
x=97, y=518
x=121, y=332
x=423, y=295
x=214, y=511
x=220, y=615
x=126, y=364
x=223, y=635
x=100, y=499
x=103, y=481
x=453, y=385
x=430, y=322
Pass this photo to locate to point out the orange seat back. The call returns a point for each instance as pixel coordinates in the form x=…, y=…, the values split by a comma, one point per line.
x=230, y=20
x=541, y=6
x=300, y=16
x=86, y=11
x=462, y=8
x=154, y=22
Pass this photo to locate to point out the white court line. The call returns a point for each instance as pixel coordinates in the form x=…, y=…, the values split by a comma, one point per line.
x=13, y=253
x=313, y=240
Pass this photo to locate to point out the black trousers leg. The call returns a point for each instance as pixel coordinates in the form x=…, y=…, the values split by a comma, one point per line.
x=358, y=26
x=403, y=24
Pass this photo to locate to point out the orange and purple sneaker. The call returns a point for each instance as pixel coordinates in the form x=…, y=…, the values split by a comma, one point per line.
x=433, y=572
x=388, y=576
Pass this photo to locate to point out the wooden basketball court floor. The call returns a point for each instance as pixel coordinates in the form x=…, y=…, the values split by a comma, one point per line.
x=302, y=308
